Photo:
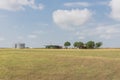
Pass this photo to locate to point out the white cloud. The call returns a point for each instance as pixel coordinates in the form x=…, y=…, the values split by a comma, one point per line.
x=39, y=32
x=40, y=6
x=15, y=5
x=74, y=4
x=85, y=4
x=69, y=19
x=20, y=37
x=2, y=39
x=103, y=3
x=108, y=31
x=102, y=32
x=81, y=37
x=115, y=7
x=42, y=24
x=32, y=36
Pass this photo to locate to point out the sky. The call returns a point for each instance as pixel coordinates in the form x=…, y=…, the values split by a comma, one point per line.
x=53, y=22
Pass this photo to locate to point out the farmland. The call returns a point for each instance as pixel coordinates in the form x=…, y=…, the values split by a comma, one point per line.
x=59, y=64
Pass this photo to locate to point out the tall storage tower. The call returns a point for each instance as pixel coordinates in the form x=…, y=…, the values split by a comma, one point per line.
x=20, y=45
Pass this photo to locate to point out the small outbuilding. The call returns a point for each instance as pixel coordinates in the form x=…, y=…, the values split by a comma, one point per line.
x=53, y=47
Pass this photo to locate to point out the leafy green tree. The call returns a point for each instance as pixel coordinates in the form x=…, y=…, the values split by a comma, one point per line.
x=98, y=44
x=67, y=44
x=78, y=44
x=90, y=44
x=75, y=44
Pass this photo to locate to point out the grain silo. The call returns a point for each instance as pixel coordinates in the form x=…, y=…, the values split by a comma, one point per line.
x=20, y=45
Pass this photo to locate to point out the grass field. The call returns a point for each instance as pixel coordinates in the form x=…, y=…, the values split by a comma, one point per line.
x=63, y=64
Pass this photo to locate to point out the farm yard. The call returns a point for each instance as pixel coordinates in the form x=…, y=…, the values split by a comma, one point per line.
x=59, y=64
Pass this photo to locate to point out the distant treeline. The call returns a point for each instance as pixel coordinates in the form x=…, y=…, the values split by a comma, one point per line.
x=77, y=44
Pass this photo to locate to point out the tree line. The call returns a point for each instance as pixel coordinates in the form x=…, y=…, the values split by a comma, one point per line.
x=81, y=45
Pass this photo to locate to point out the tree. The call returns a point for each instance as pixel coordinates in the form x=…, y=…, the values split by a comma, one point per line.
x=90, y=44
x=75, y=44
x=98, y=44
x=67, y=44
x=78, y=44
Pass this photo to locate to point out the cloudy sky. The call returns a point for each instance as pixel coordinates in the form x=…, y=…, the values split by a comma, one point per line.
x=42, y=22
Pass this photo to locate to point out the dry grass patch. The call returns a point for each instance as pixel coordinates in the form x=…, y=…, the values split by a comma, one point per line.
x=45, y=64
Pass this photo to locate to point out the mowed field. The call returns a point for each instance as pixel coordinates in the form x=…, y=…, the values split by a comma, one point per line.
x=62, y=64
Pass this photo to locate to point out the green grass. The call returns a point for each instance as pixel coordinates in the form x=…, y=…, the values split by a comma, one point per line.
x=63, y=64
